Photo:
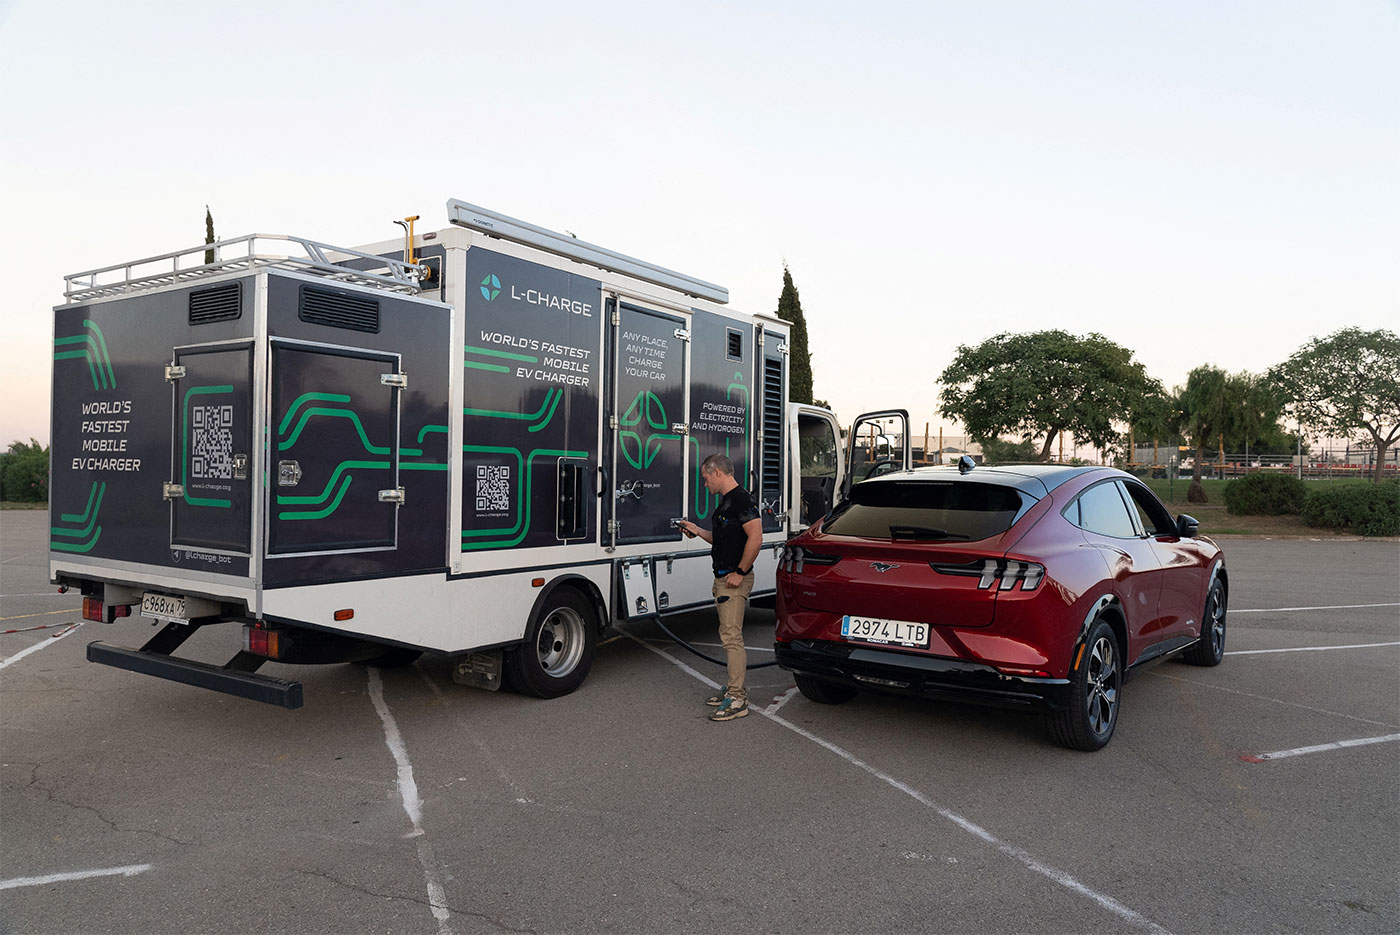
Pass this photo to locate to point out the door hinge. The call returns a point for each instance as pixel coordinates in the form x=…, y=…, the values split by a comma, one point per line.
x=394, y=495
x=172, y=491
x=614, y=526
x=616, y=315
x=682, y=334
x=612, y=423
x=680, y=428
x=399, y=380
x=174, y=372
x=783, y=349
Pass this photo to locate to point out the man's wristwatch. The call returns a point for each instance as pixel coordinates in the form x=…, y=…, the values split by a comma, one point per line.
x=742, y=572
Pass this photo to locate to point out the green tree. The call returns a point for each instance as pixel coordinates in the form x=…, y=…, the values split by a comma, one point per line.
x=1213, y=405
x=790, y=310
x=208, y=234
x=24, y=472
x=1001, y=451
x=1040, y=384
x=1346, y=384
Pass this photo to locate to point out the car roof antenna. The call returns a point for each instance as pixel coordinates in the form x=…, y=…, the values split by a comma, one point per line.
x=965, y=464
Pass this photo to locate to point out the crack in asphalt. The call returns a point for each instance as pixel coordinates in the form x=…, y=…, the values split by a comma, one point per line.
x=54, y=798
x=416, y=900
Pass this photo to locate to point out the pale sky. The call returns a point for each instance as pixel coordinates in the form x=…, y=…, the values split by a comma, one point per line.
x=1202, y=182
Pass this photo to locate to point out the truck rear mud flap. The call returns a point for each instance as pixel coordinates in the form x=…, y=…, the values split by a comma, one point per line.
x=236, y=677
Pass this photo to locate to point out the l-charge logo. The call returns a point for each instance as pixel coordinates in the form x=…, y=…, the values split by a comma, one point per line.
x=490, y=287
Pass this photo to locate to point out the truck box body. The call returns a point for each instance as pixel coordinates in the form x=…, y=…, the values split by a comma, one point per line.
x=327, y=446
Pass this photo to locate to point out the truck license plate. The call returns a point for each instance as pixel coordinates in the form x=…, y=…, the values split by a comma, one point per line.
x=885, y=632
x=163, y=607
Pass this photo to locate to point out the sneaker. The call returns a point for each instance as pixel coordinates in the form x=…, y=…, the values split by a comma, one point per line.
x=729, y=709
x=715, y=700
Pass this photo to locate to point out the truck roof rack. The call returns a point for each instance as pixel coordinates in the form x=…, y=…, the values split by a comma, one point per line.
x=509, y=228
x=239, y=253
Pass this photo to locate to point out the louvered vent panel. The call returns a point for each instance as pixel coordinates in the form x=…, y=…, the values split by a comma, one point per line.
x=222, y=303
x=771, y=483
x=736, y=345
x=339, y=310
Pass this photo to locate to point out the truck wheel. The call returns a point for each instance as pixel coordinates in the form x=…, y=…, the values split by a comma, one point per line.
x=392, y=658
x=557, y=652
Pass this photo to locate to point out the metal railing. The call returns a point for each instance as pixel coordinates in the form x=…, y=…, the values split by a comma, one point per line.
x=241, y=253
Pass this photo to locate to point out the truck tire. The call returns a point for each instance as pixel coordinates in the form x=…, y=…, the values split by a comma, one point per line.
x=557, y=651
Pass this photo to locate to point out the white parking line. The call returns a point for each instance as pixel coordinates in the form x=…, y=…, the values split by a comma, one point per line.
x=412, y=804
x=129, y=871
x=1319, y=748
x=1305, y=649
x=781, y=700
x=1023, y=857
x=1281, y=610
x=37, y=646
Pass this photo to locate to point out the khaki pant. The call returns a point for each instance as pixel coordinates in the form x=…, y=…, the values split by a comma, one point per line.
x=731, y=604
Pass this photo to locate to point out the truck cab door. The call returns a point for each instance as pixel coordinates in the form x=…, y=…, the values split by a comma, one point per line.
x=817, y=463
x=878, y=444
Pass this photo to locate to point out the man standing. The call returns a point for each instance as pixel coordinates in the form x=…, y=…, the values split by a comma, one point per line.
x=735, y=539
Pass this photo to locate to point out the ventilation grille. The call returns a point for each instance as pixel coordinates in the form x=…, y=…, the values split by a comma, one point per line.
x=771, y=481
x=735, y=350
x=339, y=310
x=222, y=303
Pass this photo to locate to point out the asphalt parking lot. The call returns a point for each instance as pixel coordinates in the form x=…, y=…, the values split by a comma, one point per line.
x=1259, y=796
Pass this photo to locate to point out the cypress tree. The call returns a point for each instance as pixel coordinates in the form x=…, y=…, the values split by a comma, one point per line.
x=208, y=234
x=800, y=359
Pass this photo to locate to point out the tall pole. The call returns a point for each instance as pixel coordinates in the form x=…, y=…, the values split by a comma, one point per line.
x=1300, y=447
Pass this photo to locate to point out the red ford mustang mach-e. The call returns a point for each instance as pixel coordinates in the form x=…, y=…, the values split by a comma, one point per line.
x=1022, y=586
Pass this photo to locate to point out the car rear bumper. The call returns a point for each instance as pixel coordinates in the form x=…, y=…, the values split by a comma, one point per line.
x=900, y=673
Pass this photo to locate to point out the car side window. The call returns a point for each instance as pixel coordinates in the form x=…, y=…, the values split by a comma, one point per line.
x=1101, y=509
x=1155, y=518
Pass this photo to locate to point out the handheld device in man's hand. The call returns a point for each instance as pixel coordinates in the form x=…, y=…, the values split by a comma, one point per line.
x=677, y=523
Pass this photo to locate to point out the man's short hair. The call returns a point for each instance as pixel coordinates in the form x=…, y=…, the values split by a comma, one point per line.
x=717, y=463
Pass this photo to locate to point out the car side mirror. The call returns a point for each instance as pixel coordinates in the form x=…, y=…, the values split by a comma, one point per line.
x=1187, y=526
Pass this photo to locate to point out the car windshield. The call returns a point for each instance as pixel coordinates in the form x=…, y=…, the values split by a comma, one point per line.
x=926, y=510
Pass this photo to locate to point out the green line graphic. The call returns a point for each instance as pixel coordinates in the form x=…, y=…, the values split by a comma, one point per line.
x=473, y=365
x=320, y=514
x=106, y=358
x=499, y=414
x=94, y=370
x=340, y=469
x=337, y=413
x=92, y=531
x=427, y=429
x=83, y=517
x=488, y=352
x=308, y=397
x=559, y=394
x=185, y=444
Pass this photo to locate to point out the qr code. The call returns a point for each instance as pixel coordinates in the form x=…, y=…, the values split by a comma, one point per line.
x=212, y=439
x=492, y=487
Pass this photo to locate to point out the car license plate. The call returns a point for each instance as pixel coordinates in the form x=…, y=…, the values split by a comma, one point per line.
x=163, y=607
x=885, y=632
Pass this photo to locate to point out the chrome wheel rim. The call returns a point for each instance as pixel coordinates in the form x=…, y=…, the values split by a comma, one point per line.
x=1101, y=692
x=560, y=646
x=1217, y=620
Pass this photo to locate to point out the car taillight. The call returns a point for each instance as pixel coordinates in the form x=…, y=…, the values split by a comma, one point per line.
x=794, y=557
x=93, y=609
x=999, y=573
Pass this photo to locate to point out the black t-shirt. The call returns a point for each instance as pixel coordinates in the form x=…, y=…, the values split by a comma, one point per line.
x=734, y=510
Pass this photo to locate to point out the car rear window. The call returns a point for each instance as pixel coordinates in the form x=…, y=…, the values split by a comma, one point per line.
x=927, y=510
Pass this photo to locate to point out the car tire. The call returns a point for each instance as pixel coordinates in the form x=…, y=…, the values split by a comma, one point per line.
x=557, y=651
x=1210, y=648
x=395, y=658
x=1096, y=692
x=814, y=689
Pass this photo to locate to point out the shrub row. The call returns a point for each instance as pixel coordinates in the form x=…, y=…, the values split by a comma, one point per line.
x=1365, y=509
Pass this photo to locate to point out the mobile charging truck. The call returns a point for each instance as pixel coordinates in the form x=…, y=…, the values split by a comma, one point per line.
x=476, y=441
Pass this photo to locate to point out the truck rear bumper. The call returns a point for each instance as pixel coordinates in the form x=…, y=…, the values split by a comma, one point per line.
x=235, y=678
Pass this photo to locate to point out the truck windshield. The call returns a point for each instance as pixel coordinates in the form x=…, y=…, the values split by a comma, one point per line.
x=927, y=510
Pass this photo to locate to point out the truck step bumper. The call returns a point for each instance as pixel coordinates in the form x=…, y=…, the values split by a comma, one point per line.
x=230, y=681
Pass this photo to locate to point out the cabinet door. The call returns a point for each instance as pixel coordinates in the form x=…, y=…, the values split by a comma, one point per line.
x=212, y=441
x=649, y=401
x=333, y=448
